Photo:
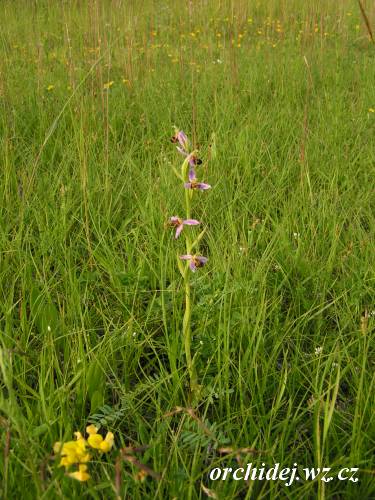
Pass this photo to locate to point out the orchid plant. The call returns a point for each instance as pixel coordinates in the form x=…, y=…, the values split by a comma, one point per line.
x=192, y=261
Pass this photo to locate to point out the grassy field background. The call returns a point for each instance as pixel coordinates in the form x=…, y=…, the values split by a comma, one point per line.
x=279, y=97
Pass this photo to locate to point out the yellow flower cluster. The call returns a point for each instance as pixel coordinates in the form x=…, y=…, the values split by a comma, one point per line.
x=77, y=452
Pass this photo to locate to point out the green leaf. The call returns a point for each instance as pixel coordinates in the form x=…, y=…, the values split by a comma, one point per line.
x=40, y=430
x=177, y=174
x=181, y=267
x=44, y=313
x=95, y=378
x=198, y=238
x=97, y=399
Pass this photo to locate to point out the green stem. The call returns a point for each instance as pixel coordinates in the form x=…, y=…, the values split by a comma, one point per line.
x=186, y=325
x=186, y=330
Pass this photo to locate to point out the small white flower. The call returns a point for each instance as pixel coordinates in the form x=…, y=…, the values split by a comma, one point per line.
x=318, y=351
x=296, y=235
x=48, y=328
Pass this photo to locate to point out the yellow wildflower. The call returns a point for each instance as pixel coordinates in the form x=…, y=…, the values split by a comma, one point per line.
x=91, y=429
x=72, y=452
x=371, y=110
x=50, y=87
x=108, y=85
x=107, y=444
x=76, y=453
x=80, y=474
x=97, y=442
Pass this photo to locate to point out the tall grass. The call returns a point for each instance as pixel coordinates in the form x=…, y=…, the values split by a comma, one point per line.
x=278, y=98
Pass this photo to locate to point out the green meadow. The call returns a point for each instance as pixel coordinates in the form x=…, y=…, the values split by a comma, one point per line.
x=278, y=97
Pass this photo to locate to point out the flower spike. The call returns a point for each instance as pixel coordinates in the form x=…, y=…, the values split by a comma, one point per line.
x=193, y=262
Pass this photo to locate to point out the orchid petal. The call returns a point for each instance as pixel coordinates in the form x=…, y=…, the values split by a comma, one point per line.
x=192, y=265
x=202, y=260
x=178, y=230
x=202, y=186
x=182, y=139
x=191, y=222
x=191, y=174
x=186, y=257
